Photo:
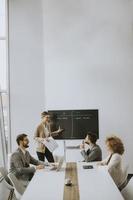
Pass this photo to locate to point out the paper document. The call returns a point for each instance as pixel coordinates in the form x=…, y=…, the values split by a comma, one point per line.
x=51, y=144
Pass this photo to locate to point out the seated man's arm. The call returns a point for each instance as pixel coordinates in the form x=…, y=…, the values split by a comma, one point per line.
x=92, y=156
x=17, y=166
x=33, y=161
x=84, y=154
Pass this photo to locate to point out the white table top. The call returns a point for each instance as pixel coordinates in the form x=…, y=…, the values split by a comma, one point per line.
x=94, y=184
x=46, y=184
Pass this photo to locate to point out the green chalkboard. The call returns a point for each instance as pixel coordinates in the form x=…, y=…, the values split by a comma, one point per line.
x=76, y=123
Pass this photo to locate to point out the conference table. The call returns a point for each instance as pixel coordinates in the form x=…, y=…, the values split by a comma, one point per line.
x=87, y=184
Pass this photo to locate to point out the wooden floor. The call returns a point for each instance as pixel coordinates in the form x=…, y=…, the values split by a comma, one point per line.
x=71, y=192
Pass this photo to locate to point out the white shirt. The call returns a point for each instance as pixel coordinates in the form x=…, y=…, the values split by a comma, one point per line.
x=46, y=131
x=24, y=151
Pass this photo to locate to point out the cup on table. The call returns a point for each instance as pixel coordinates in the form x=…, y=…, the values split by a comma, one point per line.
x=68, y=181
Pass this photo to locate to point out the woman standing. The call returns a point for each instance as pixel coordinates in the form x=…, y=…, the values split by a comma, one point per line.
x=42, y=133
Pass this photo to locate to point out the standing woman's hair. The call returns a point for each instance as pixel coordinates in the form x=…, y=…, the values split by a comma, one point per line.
x=115, y=144
x=43, y=114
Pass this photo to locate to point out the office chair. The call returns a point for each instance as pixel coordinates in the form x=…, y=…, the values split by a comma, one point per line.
x=6, y=190
x=127, y=192
x=18, y=185
x=4, y=173
x=125, y=172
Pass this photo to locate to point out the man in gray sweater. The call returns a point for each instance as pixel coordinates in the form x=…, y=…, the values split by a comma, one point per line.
x=21, y=159
x=94, y=152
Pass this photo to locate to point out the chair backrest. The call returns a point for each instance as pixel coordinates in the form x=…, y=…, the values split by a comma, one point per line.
x=127, y=192
x=4, y=173
x=6, y=190
x=125, y=174
x=19, y=187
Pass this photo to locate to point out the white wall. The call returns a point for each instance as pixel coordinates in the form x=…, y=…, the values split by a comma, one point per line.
x=88, y=53
x=88, y=58
x=26, y=66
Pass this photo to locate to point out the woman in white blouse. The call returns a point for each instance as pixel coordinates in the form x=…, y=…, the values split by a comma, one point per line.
x=113, y=162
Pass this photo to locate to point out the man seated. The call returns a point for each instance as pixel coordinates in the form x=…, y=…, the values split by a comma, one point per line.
x=21, y=159
x=94, y=152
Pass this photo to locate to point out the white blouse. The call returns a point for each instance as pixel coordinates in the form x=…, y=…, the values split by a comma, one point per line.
x=116, y=169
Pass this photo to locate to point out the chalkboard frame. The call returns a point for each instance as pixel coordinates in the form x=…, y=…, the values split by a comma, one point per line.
x=89, y=111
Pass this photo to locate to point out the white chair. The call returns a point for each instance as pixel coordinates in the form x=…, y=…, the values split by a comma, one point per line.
x=6, y=190
x=125, y=174
x=18, y=185
x=4, y=173
x=127, y=192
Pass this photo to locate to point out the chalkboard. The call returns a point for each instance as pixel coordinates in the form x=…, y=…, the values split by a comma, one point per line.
x=76, y=123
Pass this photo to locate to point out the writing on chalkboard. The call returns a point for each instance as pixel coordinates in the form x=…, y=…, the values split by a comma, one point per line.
x=76, y=123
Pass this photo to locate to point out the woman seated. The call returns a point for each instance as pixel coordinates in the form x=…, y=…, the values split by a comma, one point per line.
x=94, y=152
x=113, y=162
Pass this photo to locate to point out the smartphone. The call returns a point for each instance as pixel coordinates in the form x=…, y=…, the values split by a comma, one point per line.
x=87, y=167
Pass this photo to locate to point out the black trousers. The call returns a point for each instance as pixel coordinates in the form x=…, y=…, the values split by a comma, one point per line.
x=47, y=154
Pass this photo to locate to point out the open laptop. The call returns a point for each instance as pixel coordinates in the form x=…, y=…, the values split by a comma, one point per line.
x=58, y=166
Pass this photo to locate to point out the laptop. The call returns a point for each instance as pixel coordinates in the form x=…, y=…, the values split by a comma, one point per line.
x=58, y=166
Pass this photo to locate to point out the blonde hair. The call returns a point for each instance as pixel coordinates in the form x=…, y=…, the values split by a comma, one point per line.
x=43, y=114
x=115, y=144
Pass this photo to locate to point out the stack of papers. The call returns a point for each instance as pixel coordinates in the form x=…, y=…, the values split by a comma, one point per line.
x=51, y=144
